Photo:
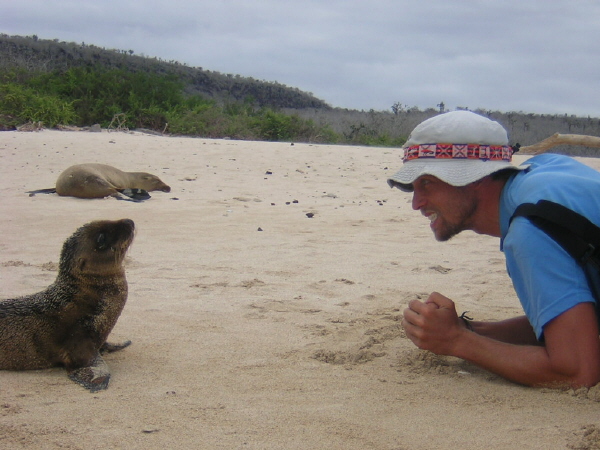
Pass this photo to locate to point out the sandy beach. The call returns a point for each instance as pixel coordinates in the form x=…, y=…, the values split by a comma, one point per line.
x=255, y=326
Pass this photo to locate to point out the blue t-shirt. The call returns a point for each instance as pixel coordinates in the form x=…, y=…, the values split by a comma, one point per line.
x=546, y=279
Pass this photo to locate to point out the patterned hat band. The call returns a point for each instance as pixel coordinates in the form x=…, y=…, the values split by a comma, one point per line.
x=459, y=151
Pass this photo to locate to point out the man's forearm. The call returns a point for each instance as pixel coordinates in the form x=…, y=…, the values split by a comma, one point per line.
x=570, y=355
x=517, y=330
x=524, y=364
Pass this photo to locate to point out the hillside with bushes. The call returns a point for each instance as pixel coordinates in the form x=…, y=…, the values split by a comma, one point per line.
x=53, y=56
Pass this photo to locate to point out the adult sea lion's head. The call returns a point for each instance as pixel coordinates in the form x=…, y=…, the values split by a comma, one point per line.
x=151, y=183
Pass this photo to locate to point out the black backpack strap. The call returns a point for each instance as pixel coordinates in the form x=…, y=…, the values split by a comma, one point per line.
x=575, y=233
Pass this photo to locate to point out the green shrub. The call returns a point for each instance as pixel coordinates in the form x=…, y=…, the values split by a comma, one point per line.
x=272, y=126
x=98, y=94
x=27, y=105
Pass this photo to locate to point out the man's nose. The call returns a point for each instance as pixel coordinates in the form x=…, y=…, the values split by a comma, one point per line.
x=417, y=201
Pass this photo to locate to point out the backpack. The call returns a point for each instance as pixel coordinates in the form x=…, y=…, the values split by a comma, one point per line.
x=577, y=235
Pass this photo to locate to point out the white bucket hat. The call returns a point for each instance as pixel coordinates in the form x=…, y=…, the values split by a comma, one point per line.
x=459, y=148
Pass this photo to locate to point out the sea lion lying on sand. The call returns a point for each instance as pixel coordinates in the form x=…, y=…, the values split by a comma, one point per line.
x=67, y=323
x=100, y=180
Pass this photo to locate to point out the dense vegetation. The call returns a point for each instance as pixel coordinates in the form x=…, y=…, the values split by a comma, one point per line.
x=59, y=83
x=87, y=95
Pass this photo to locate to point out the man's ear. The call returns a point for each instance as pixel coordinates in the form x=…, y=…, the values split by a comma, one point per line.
x=481, y=186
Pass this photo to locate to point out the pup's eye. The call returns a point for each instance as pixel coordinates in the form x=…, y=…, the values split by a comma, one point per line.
x=101, y=241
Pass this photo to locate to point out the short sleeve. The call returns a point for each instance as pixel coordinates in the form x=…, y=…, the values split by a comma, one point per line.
x=547, y=280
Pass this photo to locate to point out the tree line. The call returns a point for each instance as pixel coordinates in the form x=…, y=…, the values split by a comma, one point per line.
x=523, y=128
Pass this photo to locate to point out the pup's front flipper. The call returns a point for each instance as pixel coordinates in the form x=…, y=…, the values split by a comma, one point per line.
x=94, y=377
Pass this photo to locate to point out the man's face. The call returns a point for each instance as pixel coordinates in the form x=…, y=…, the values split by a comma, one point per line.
x=449, y=208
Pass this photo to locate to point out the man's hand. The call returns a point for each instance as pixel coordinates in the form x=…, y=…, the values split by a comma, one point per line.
x=434, y=324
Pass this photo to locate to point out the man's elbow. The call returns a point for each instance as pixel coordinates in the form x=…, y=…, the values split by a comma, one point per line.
x=586, y=378
x=573, y=377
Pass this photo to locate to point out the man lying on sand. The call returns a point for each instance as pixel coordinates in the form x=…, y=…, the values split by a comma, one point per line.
x=475, y=187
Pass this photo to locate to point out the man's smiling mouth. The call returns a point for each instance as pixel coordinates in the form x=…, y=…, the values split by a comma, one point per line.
x=431, y=216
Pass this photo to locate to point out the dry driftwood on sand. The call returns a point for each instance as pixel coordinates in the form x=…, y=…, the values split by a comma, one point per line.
x=561, y=139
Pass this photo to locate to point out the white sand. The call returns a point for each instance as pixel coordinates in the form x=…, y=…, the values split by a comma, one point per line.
x=285, y=338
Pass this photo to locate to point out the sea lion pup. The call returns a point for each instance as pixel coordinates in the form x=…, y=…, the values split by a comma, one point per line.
x=67, y=323
x=100, y=180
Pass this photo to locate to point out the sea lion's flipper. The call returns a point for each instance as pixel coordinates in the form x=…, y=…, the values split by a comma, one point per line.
x=135, y=194
x=126, y=199
x=107, y=347
x=94, y=377
x=41, y=191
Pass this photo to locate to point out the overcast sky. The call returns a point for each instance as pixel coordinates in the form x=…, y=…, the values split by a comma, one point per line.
x=539, y=56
